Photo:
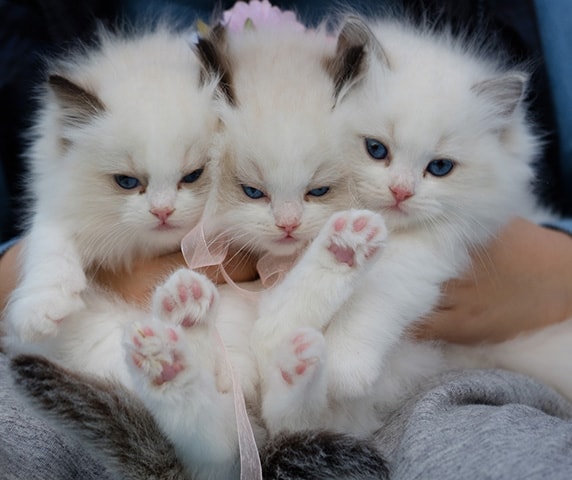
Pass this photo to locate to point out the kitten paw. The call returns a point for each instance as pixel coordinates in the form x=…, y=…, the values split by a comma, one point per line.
x=39, y=314
x=354, y=236
x=187, y=298
x=300, y=356
x=158, y=354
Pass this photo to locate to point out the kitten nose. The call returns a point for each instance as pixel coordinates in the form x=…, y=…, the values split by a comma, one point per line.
x=162, y=213
x=400, y=193
x=288, y=227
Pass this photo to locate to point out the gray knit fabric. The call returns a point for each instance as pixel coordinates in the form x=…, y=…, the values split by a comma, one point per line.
x=30, y=449
x=481, y=425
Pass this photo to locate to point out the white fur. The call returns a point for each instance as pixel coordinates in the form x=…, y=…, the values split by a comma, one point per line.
x=156, y=125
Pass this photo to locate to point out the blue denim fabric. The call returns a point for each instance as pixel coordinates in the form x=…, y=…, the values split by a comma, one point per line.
x=6, y=245
x=564, y=225
x=555, y=28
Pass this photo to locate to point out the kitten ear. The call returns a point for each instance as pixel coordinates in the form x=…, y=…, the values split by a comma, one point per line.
x=505, y=92
x=356, y=44
x=78, y=105
x=216, y=65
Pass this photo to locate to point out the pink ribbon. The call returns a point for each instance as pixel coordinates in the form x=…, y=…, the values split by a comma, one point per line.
x=198, y=253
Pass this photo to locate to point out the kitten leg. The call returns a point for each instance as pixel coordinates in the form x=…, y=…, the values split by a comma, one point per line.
x=394, y=295
x=174, y=361
x=324, y=278
x=295, y=395
x=52, y=281
x=310, y=296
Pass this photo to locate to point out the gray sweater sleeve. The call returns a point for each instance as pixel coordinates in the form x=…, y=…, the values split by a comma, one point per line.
x=31, y=449
x=481, y=425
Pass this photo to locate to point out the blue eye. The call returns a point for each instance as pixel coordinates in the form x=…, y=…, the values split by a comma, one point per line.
x=252, y=192
x=440, y=167
x=376, y=149
x=126, y=182
x=193, y=176
x=318, y=192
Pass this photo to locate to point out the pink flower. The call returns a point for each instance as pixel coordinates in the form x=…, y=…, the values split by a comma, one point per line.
x=261, y=14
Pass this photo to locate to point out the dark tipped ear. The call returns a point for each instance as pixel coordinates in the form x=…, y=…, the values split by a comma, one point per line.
x=78, y=105
x=216, y=65
x=356, y=44
x=505, y=92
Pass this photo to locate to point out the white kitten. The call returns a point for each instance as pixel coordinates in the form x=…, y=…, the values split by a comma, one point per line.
x=118, y=172
x=277, y=180
x=450, y=151
x=439, y=143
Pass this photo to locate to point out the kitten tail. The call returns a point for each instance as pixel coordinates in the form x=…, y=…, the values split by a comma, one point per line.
x=322, y=456
x=105, y=416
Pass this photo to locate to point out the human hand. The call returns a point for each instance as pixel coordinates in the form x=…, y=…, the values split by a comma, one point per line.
x=521, y=282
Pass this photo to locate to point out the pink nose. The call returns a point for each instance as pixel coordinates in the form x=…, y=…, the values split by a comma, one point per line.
x=289, y=227
x=162, y=213
x=400, y=193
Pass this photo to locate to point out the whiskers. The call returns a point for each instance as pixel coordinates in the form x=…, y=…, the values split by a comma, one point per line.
x=115, y=244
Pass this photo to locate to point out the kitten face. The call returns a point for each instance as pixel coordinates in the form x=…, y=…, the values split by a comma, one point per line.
x=132, y=175
x=280, y=187
x=439, y=136
x=280, y=175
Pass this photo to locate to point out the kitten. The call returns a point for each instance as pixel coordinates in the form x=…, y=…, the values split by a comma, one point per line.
x=440, y=145
x=119, y=171
x=449, y=159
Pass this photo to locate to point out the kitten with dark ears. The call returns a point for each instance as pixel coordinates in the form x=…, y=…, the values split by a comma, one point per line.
x=119, y=171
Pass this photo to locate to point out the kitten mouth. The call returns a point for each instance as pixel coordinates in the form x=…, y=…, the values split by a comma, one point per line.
x=164, y=227
x=287, y=239
x=394, y=208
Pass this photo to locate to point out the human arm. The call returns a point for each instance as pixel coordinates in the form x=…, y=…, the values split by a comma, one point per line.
x=521, y=282
x=135, y=285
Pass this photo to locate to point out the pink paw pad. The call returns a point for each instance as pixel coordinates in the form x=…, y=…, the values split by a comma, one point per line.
x=169, y=371
x=343, y=254
x=185, y=299
x=154, y=354
x=340, y=224
x=300, y=348
x=356, y=236
x=359, y=224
